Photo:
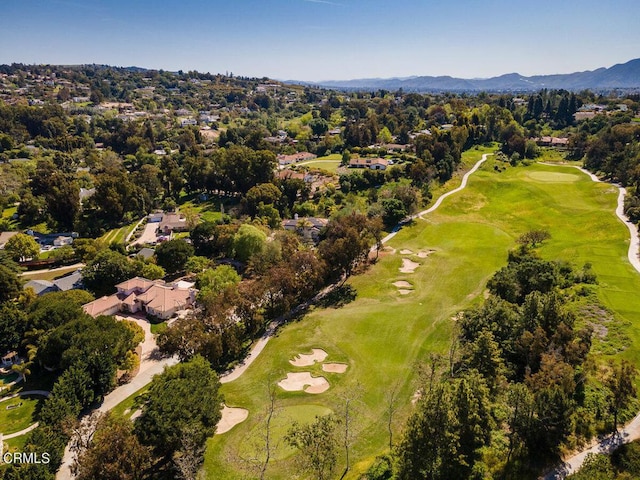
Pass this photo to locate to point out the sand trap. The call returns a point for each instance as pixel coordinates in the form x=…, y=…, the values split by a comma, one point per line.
x=305, y=359
x=425, y=254
x=408, y=266
x=230, y=418
x=334, y=367
x=298, y=381
x=406, y=252
x=402, y=284
x=402, y=291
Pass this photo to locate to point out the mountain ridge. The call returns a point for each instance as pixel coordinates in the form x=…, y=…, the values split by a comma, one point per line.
x=622, y=75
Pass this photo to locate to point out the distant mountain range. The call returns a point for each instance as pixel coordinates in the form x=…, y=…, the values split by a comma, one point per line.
x=625, y=76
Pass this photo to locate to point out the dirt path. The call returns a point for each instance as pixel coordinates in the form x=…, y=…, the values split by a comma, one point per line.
x=631, y=431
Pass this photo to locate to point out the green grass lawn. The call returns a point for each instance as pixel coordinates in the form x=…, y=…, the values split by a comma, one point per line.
x=50, y=275
x=129, y=404
x=382, y=335
x=117, y=235
x=15, y=419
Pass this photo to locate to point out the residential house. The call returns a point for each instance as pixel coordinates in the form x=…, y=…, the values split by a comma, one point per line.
x=40, y=287
x=308, y=227
x=72, y=281
x=295, y=158
x=152, y=297
x=10, y=358
x=173, y=222
x=371, y=163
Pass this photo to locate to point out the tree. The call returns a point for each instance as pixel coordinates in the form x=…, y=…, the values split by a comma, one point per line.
x=317, y=444
x=52, y=310
x=393, y=211
x=248, y=241
x=533, y=237
x=621, y=384
x=106, y=270
x=114, y=452
x=173, y=255
x=214, y=280
x=10, y=284
x=22, y=247
x=183, y=399
x=13, y=323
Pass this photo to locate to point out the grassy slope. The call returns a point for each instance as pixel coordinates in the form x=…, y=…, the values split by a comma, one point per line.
x=382, y=335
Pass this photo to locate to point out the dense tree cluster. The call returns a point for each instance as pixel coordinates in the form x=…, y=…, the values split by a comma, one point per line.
x=518, y=387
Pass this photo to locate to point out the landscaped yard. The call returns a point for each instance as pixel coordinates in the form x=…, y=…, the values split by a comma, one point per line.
x=328, y=162
x=50, y=275
x=118, y=235
x=18, y=413
x=383, y=334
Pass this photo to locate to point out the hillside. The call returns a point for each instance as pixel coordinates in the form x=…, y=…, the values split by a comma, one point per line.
x=626, y=76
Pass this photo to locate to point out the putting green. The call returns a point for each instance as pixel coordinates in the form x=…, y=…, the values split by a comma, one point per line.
x=553, y=177
x=382, y=335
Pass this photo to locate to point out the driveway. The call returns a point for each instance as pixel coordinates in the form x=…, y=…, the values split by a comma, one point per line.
x=148, y=234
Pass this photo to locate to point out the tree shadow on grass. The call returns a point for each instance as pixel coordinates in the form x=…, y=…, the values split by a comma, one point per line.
x=338, y=297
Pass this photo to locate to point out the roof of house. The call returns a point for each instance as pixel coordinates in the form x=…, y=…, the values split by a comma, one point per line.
x=368, y=161
x=162, y=299
x=69, y=282
x=100, y=305
x=10, y=355
x=173, y=220
x=146, y=253
x=310, y=222
x=41, y=287
x=137, y=282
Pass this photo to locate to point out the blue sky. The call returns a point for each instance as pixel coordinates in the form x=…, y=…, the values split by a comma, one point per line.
x=325, y=39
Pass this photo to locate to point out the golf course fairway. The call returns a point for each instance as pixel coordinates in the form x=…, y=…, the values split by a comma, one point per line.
x=385, y=333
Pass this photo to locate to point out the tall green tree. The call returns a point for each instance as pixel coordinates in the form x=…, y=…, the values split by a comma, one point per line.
x=185, y=398
x=22, y=247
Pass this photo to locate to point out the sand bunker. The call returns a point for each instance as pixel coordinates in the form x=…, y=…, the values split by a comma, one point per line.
x=402, y=291
x=306, y=360
x=402, y=284
x=298, y=381
x=408, y=266
x=230, y=418
x=406, y=252
x=334, y=367
x=425, y=253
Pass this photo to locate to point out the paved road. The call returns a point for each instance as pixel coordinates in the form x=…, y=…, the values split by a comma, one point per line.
x=148, y=369
x=632, y=430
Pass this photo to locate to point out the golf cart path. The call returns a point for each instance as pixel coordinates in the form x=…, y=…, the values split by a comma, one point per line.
x=260, y=344
x=462, y=186
x=631, y=431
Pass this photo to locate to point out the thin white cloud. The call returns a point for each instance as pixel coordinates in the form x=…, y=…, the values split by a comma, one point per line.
x=326, y=2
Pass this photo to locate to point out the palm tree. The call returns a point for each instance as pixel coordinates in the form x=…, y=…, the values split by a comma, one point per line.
x=22, y=369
